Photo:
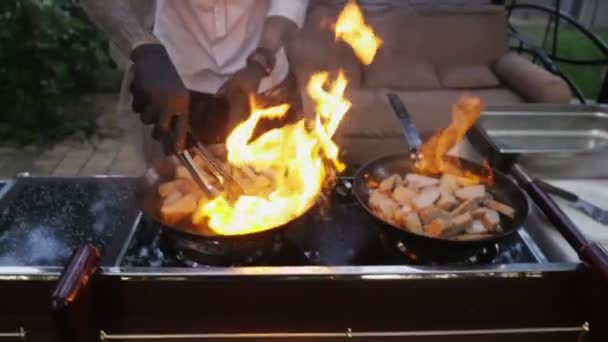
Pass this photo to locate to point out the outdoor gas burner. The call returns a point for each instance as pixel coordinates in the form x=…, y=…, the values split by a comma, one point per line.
x=339, y=233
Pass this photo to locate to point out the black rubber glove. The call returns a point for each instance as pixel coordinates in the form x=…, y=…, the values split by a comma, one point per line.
x=237, y=89
x=160, y=96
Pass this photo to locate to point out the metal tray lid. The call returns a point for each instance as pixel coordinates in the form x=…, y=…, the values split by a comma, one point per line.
x=563, y=141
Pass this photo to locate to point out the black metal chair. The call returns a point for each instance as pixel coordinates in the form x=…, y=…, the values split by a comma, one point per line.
x=549, y=58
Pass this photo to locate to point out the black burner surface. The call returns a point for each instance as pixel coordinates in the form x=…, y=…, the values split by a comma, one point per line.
x=338, y=234
x=149, y=248
x=42, y=220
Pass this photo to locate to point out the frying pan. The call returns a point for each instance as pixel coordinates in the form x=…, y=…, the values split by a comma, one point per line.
x=199, y=244
x=438, y=249
x=429, y=248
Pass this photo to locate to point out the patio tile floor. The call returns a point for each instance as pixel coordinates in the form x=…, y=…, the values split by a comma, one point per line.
x=120, y=154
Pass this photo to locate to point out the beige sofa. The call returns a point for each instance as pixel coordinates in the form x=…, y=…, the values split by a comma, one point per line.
x=431, y=56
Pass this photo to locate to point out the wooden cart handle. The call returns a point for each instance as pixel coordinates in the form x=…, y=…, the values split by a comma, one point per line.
x=75, y=277
x=590, y=252
x=72, y=302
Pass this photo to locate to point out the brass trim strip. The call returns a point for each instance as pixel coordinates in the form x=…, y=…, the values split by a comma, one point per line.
x=349, y=334
x=21, y=334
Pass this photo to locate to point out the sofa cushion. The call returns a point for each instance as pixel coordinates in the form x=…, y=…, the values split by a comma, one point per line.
x=356, y=152
x=431, y=110
x=462, y=34
x=531, y=81
x=391, y=69
x=372, y=117
x=467, y=76
x=367, y=118
x=371, y=128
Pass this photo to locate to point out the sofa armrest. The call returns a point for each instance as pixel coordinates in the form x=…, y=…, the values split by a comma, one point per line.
x=531, y=81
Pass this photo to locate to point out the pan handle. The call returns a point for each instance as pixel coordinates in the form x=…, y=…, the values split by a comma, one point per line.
x=409, y=130
x=590, y=252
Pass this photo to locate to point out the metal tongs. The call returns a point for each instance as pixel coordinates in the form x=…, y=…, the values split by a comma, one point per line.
x=214, y=179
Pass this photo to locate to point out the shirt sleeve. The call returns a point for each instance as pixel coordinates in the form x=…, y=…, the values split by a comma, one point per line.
x=295, y=10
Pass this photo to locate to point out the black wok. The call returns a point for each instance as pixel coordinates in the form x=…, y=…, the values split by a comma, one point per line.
x=200, y=244
x=438, y=249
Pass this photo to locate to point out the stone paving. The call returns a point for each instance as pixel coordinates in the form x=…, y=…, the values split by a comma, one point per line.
x=120, y=154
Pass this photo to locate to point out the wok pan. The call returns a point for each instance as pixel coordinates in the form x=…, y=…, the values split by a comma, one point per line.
x=439, y=249
x=200, y=244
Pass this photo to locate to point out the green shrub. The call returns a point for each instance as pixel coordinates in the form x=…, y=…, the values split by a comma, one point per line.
x=49, y=56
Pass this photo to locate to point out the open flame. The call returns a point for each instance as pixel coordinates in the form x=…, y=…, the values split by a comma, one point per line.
x=464, y=115
x=296, y=156
x=352, y=29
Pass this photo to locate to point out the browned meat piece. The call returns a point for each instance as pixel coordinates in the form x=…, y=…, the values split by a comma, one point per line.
x=182, y=173
x=401, y=215
x=458, y=225
x=457, y=181
x=477, y=228
x=464, y=207
x=479, y=212
x=269, y=173
x=386, y=209
x=403, y=195
x=490, y=220
x=389, y=184
x=419, y=181
x=247, y=172
x=187, y=187
x=501, y=208
x=426, y=198
x=413, y=224
x=253, y=184
x=175, y=211
x=471, y=192
x=430, y=213
x=449, y=183
x=377, y=198
x=469, y=237
x=178, y=185
x=199, y=161
x=172, y=197
x=446, y=201
x=435, y=228
x=486, y=198
x=242, y=179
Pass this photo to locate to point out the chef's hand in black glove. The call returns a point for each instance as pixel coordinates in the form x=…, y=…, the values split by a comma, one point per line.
x=237, y=89
x=159, y=95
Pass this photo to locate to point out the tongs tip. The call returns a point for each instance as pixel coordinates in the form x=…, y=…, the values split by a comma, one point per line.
x=228, y=185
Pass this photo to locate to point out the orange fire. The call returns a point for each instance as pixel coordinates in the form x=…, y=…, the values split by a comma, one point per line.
x=464, y=115
x=294, y=159
x=294, y=154
x=352, y=29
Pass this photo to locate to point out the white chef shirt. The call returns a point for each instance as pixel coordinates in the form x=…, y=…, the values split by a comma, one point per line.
x=209, y=40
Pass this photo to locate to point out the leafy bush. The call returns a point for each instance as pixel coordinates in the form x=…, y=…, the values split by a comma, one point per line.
x=49, y=55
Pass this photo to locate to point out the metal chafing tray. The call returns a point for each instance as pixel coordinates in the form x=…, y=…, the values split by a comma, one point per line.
x=559, y=141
